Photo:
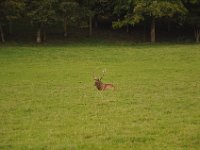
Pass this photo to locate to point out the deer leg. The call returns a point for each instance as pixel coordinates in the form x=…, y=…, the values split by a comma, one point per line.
x=99, y=94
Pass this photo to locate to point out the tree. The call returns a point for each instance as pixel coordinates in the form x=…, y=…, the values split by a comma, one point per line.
x=10, y=10
x=41, y=13
x=193, y=17
x=93, y=8
x=153, y=10
x=87, y=7
x=102, y=11
x=69, y=12
x=121, y=9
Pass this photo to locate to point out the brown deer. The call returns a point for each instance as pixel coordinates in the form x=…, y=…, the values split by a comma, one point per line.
x=101, y=86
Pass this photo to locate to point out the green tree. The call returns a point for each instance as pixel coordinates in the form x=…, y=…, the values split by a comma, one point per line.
x=193, y=17
x=41, y=13
x=10, y=10
x=121, y=9
x=91, y=9
x=103, y=10
x=68, y=10
x=87, y=7
x=153, y=10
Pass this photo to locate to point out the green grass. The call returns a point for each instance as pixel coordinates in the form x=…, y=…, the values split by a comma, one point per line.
x=48, y=101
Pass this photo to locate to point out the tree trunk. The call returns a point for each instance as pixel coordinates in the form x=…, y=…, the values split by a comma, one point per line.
x=169, y=26
x=153, y=31
x=10, y=27
x=65, y=27
x=38, y=38
x=127, y=28
x=90, y=25
x=95, y=22
x=2, y=34
x=197, y=35
x=144, y=32
x=44, y=35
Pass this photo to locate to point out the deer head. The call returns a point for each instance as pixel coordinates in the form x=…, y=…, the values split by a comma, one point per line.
x=100, y=85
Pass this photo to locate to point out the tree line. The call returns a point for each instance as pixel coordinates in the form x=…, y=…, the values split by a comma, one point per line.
x=123, y=13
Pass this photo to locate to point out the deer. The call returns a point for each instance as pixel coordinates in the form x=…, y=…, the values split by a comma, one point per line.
x=102, y=86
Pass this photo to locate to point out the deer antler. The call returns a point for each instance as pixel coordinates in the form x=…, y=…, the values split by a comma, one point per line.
x=101, y=86
x=94, y=76
x=103, y=73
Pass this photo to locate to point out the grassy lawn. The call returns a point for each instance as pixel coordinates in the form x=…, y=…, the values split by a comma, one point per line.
x=48, y=99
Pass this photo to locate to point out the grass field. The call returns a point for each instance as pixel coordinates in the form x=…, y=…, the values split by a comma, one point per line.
x=48, y=99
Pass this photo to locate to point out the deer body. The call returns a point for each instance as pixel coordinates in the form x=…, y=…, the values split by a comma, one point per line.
x=101, y=86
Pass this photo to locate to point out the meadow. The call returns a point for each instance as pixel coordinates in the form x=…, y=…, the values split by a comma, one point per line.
x=48, y=99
